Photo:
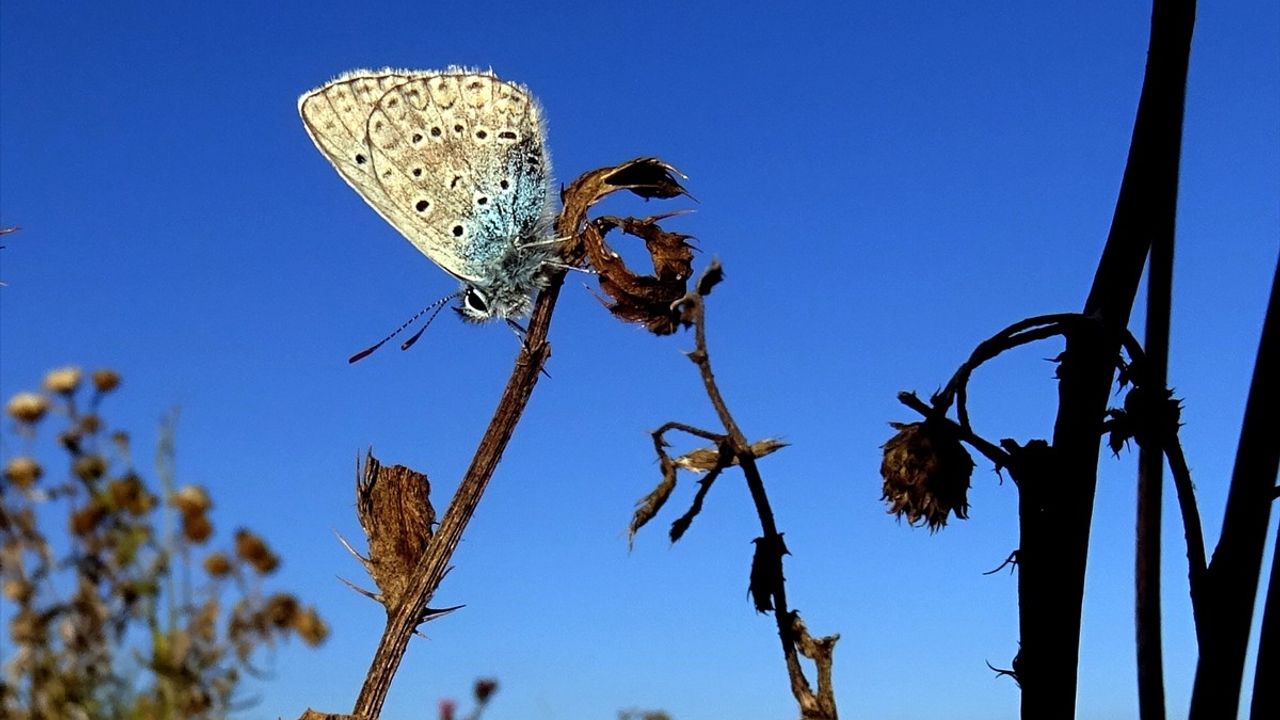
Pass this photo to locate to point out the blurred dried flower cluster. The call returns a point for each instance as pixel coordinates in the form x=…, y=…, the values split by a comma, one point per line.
x=107, y=619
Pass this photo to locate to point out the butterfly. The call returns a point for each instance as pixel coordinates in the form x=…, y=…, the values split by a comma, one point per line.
x=456, y=161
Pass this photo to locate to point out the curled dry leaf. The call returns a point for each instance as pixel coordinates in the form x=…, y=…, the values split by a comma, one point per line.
x=648, y=506
x=766, y=570
x=705, y=459
x=644, y=299
x=394, y=508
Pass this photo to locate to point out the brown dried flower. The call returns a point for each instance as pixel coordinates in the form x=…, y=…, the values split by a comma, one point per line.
x=926, y=473
x=89, y=467
x=105, y=380
x=63, y=380
x=27, y=407
x=191, y=500
x=484, y=689
x=84, y=520
x=23, y=472
x=217, y=564
x=196, y=528
x=282, y=610
x=18, y=589
x=128, y=493
x=311, y=628
x=253, y=550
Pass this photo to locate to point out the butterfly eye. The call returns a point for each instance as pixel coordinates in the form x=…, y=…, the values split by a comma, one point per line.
x=475, y=301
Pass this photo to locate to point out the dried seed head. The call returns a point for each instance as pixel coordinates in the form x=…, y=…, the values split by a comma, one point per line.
x=23, y=472
x=89, y=423
x=89, y=467
x=253, y=550
x=63, y=380
x=196, y=528
x=484, y=689
x=84, y=520
x=217, y=564
x=310, y=627
x=18, y=589
x=105, y=380
x=926, y=473
x=282, y=610
x=27, y=628
x=128, y=493
x=27, y=407
x=191, y=500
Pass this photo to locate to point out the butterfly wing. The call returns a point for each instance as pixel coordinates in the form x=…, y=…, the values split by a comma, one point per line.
x=456, y=147
x=336, y=116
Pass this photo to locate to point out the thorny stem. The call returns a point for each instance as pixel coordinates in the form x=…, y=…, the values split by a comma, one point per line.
x=404, y=619
x=791, y=630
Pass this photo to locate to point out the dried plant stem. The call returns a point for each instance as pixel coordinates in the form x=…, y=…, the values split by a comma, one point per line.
x=791, y=630
x=404, y=618
x=648, y=177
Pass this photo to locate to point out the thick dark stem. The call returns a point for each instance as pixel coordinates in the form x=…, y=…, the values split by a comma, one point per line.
x=1266, y=692
x=1056, y=508
x=1155, y=374
x=1232, y=581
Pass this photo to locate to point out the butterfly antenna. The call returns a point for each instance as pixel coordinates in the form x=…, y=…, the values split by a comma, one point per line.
x=409, y=343
x=436, y=306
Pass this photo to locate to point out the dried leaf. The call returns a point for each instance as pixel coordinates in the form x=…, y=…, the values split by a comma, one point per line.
x=394, y=508
x=766, y=570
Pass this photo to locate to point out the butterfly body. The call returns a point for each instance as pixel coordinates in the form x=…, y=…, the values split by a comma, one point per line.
x=455, y=160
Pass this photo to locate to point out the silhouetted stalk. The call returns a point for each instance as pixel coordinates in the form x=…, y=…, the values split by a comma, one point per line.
x=1056, y=505
x=1266, y=695
x=1231, y=582
x=1155, y=374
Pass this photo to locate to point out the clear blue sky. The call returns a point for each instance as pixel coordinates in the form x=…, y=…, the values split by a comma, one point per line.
x=886, y=185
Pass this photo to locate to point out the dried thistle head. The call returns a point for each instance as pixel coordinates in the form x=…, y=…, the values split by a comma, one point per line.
x=105, y=380
x=23, y=472
x=217, y=564
x=310, y=627
x=89, y=468
x=253, y=550
x=27, y=407
x=196, y=528
x=63, y=381
x=926, y=473
x=191, y=500
x=129, y=493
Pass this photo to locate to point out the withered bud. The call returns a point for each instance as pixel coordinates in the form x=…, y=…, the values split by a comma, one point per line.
x=191, y=500
x=704, y=459
x=217, y=564
x=23, y=472
x=27, y=628
x=282, y=610
x=63, y=380
x=105, y=380
x=27, y=407
x=926, y=473
x=1155, y=414
x=89, y=467
x=89, y=423
x=196, y=528
x=84, y=520
x=128, y=493
x=18, y=589
x=484, y=689
x=310, y=627
x=253, y=550
x=70, y=439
